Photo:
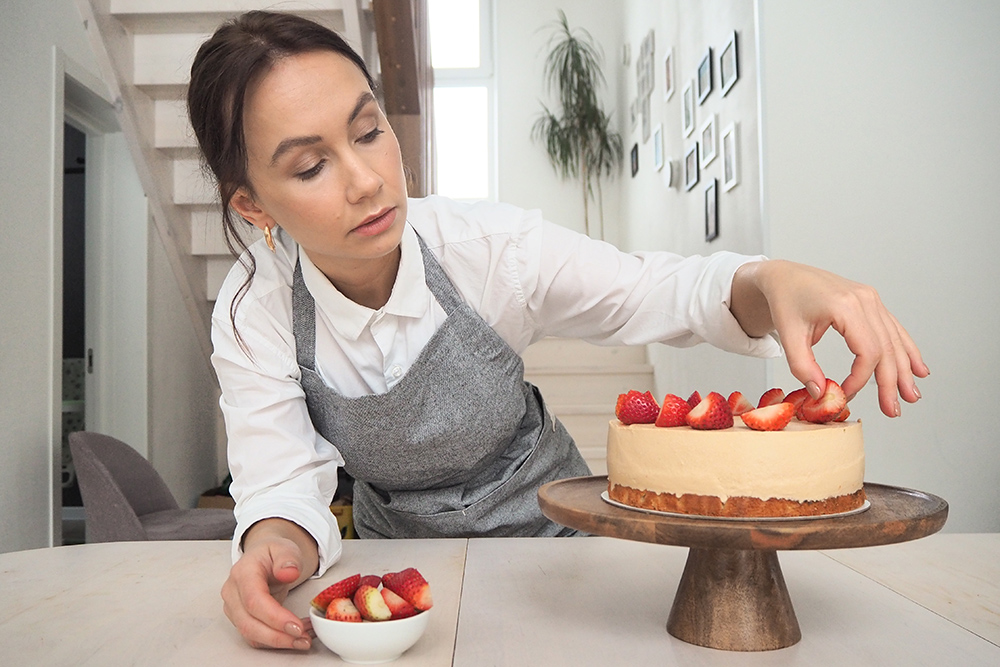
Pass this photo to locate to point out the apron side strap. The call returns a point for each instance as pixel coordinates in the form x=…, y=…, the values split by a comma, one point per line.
x=303, y=320
x=437, y=280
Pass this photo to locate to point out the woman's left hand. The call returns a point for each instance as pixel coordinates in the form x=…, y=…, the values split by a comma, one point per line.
x=801, y=303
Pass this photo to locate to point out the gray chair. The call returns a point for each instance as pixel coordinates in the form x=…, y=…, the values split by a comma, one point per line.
x=126, y=500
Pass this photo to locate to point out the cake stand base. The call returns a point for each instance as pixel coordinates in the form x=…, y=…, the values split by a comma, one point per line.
x=732, y=594
x=735, y=600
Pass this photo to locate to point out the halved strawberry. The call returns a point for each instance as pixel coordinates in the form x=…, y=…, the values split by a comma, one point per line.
x=369, y=602
x=344, y=588
x=372, y=580
x=694, y=399
x=739, y=404
x=673, y=412
x=844, y=414
x=770, y=397
x=410, y=585
x=342, y=609
x=398, y=607
x=770, y=417
x=712, y=413
x=621, y=400
x=635, y=408
x=827, y=407
x=797, y=398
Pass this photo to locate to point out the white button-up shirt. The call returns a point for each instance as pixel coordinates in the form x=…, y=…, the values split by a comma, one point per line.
x=526, y=277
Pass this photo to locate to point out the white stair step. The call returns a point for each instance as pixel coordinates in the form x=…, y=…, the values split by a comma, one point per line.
x=164, y=59
x=172, y=127
x=587, y=430
x=161, y=17
x=207, y=237
x=191, y=184
x=216, y=270
x=589, y=389
x=571, y=352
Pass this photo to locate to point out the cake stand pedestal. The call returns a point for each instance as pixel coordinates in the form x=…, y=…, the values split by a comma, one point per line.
x=732, y=594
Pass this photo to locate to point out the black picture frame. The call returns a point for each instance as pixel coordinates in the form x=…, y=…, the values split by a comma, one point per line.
x=703, y=81
x=691, y=166
x=729, y=65
x=712, y=210
x=635, y=159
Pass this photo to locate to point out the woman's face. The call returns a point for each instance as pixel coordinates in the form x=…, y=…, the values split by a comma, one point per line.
x=324, y=163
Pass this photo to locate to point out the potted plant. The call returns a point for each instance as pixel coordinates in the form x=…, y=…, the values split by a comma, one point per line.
x=579, y=141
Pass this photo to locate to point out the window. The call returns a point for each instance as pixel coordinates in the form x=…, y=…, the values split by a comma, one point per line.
x=464, y=92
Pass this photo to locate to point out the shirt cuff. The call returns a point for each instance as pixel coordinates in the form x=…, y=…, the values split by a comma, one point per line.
x=711, y=308
x=315, y=519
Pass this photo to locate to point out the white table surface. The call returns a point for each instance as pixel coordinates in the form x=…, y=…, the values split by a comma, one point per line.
x=518, y=602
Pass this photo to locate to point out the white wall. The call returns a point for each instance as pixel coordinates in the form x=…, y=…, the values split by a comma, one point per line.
x=179, y=396
x=657, y=214
x=29, y=256
x=880, y=145
x=525, y=176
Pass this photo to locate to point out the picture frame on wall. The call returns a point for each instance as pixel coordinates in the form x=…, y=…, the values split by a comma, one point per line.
x=687, y=112
x=729, y=69
x=704, y=78
x=691, y=166
x=668, y=74
x=711, y=210
x=635, y=159
x=709, y=139
x=730, y=156
x=658, y=147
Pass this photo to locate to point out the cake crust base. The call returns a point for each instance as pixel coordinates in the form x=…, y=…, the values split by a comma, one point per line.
x=736, y=506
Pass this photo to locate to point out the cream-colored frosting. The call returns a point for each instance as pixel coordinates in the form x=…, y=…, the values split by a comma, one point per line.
x=802, y=462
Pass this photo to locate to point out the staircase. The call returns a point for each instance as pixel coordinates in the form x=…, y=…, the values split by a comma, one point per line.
x=581, y=383
x=145, y=49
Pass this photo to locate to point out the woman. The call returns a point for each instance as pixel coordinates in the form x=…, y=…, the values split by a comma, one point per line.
x=382, y=334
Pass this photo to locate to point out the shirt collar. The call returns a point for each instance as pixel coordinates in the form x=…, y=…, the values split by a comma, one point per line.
x=410, y=295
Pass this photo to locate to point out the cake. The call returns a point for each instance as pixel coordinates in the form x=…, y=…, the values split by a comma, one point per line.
x=804, y=469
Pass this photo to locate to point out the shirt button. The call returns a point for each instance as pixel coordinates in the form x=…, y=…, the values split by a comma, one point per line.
x=396, y=371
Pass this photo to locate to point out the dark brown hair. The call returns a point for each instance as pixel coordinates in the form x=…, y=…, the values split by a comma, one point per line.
x=225, y=69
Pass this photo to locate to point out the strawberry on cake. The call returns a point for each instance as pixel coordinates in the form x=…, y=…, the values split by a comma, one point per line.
x=790, y=456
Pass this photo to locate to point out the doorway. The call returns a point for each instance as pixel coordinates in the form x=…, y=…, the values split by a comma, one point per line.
x=104, y=283
x=74, y=356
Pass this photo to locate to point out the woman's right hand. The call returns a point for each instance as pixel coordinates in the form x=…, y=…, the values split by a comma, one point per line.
x=277, y=556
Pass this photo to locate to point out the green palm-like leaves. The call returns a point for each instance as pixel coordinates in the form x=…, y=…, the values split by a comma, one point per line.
x=579, y=142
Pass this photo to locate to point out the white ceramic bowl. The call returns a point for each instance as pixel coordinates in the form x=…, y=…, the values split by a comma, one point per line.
x=370, y=642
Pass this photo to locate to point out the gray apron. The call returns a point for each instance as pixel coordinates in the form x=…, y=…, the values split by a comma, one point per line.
x=458, y=447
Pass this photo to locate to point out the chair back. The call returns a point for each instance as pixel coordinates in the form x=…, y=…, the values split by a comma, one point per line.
x=117, y=485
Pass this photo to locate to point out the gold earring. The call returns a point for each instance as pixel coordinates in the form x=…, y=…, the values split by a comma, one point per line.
x=268, y=239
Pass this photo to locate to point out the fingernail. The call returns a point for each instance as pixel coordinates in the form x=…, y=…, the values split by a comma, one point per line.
x=293, y=629
x=290, y=563
x=917, y=391
x=814, y=390
x=301, y=643
x=895, y=409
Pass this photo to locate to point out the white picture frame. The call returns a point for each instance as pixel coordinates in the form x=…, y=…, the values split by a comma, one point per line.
x=730, y=146
x=687, y=110
x=729, y=65
x=711, y=211
x=668, y=74
x=708, y=137
x=704, y=76
x=691, y=166
x=658, y=147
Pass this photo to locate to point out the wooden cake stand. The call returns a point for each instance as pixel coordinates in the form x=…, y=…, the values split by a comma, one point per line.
x=732, y=594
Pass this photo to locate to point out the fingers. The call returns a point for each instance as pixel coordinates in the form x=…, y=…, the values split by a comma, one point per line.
x=805, y=305
x=251, y=601
x=801, y=361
